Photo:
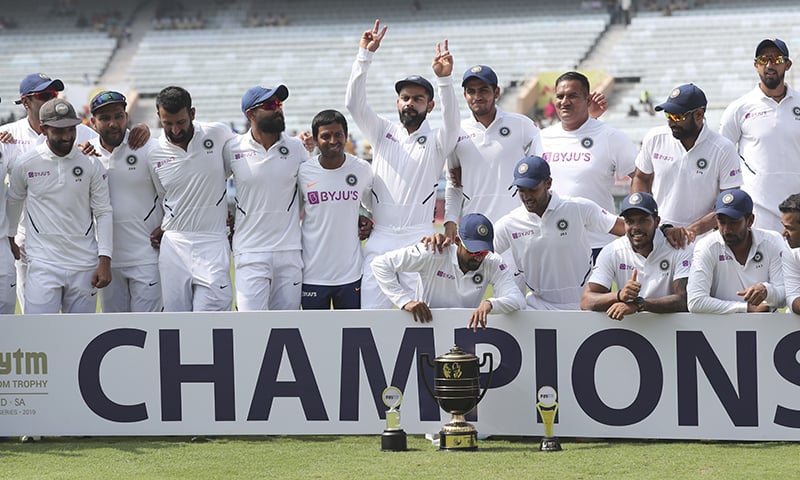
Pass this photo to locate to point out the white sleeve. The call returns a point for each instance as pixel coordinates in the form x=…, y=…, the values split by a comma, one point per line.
x=369, y=122
x=729, y=125
x=386, y=267
x=624, y=151
x=506, y=296
x=730, y=172
x=791, y=275
x=101, y=210
x=698, y=290
x=596, y=218
x=644, y=159
x=453, y=197
x=603, y=272
x=17, y=191
x=776, y=290
x=451, y=116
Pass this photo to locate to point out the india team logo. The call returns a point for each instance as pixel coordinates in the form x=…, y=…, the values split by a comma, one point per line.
x=758, y=257
x=562, y=224
x=635, y=199
x=727, y=198
x=522, y=169
x=351, y=180
x=796, y=111
x=208, y=143
x=587, y=142
x=477, y=279
x=505, y=131
x=77, y=171
x=702, y=163
x=664, y=265
x=131, y=160
x=421, y=140
x=482, y=230
x=675, y=93
x=284, y=150
x=313, y=198
x=62, y=109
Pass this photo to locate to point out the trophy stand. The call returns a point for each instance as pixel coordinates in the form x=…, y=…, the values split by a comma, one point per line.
x=394, y=438
x=547, y=407
x=458, y=435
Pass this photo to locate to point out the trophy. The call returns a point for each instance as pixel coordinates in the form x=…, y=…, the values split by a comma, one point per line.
x=394, y=437
x=547, y=407
x=457, y=390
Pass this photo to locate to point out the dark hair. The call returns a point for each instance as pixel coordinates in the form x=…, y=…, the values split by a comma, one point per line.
x=173, y=99
x=791, y=204
x=327, y=117
x=574, y=76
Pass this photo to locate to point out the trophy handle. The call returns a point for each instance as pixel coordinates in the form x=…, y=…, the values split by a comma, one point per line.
x=422, y=369
x=489, y=380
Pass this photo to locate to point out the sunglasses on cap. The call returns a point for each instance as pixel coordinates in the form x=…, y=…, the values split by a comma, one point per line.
x=774, y=59
x=44, y=95
x=480, y=254
x=269, y=105
x=679, y=117
x=105, y=98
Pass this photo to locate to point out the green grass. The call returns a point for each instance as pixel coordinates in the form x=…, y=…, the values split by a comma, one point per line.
x=360, y=458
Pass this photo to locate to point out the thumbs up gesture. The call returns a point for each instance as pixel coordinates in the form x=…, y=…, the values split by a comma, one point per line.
x=631, y=288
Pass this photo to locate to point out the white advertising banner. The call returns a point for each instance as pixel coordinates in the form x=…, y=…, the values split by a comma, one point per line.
x=681, y=376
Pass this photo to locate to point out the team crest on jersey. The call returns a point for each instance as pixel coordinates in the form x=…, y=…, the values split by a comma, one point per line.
x=77, y=171
x=796, y=111
x=758, y=257
x=477, y=279
x=587, y=142
x=131, y=160
x=421, y=140
x=208, y=143
x=284, y=150
x=351, y=180
x=702, y=164
x=505, y=131
x=562, y=224
x=664, y=265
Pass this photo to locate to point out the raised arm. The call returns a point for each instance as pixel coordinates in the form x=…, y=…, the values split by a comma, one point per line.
x=356, y=95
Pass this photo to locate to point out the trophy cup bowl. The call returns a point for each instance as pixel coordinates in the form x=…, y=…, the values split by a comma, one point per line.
x=457, y=390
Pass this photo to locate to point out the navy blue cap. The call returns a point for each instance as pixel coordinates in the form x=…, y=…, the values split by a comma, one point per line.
x=683, y=99
x=106, y=97
x=415, y=80
x=257, y=95
x=734, y=203
x=37, y=82
x=639, y=201
x=773, y=42
x=482, y=73
x=476, y=233
x=530, y=172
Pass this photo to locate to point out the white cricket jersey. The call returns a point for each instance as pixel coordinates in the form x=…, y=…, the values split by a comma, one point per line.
x=137, y=210
x=768, y=138
x=192, y=183
x=442, y=284
x=586, y=162
x=331, y=205
x=686, y=184
x=552, y=253
x=487, y=157
x=716, y=276
x=655, y=273
x=267, y=203
x=791, y=275
x=406, y=167
x=64, y=198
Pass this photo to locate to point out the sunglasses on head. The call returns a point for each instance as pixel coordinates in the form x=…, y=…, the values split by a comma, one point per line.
x=679, y=117
x=44, y=95
x=269, y=105
x=774, y=59
x=106, y=97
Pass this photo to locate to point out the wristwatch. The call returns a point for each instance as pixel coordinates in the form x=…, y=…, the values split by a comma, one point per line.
x=639, y=302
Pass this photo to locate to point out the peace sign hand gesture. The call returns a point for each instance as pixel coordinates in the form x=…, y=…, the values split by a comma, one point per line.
x=371, y=39
x=443, y=61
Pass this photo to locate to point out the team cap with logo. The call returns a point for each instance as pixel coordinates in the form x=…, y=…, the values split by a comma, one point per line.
x=683, y=99
x=734, y=203
x=258, y=95
x=476, y=233
x=530, y=172
x=58, y=113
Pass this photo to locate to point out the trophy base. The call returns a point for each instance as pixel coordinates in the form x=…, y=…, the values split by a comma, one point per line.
x=394, y=441
x=550, y=444
x=458, y=436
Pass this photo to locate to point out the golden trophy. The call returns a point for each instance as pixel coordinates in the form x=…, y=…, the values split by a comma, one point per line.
x=457, y=390
x=394, y=437
x=547, y=406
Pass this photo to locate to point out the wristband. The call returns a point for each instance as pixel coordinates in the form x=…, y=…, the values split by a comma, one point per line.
x=665, y=226
x=618, y=299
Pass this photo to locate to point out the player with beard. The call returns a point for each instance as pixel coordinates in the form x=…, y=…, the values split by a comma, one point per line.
x=408, y=157
x=189, y=175
x=65, y=196
x=737, y=268
x=135, y=284
x=763, y=124
x=453, y=276
x=333, y=186
x=652, y=273
x=264, y=162
x=790, y=217
x=686, y=160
